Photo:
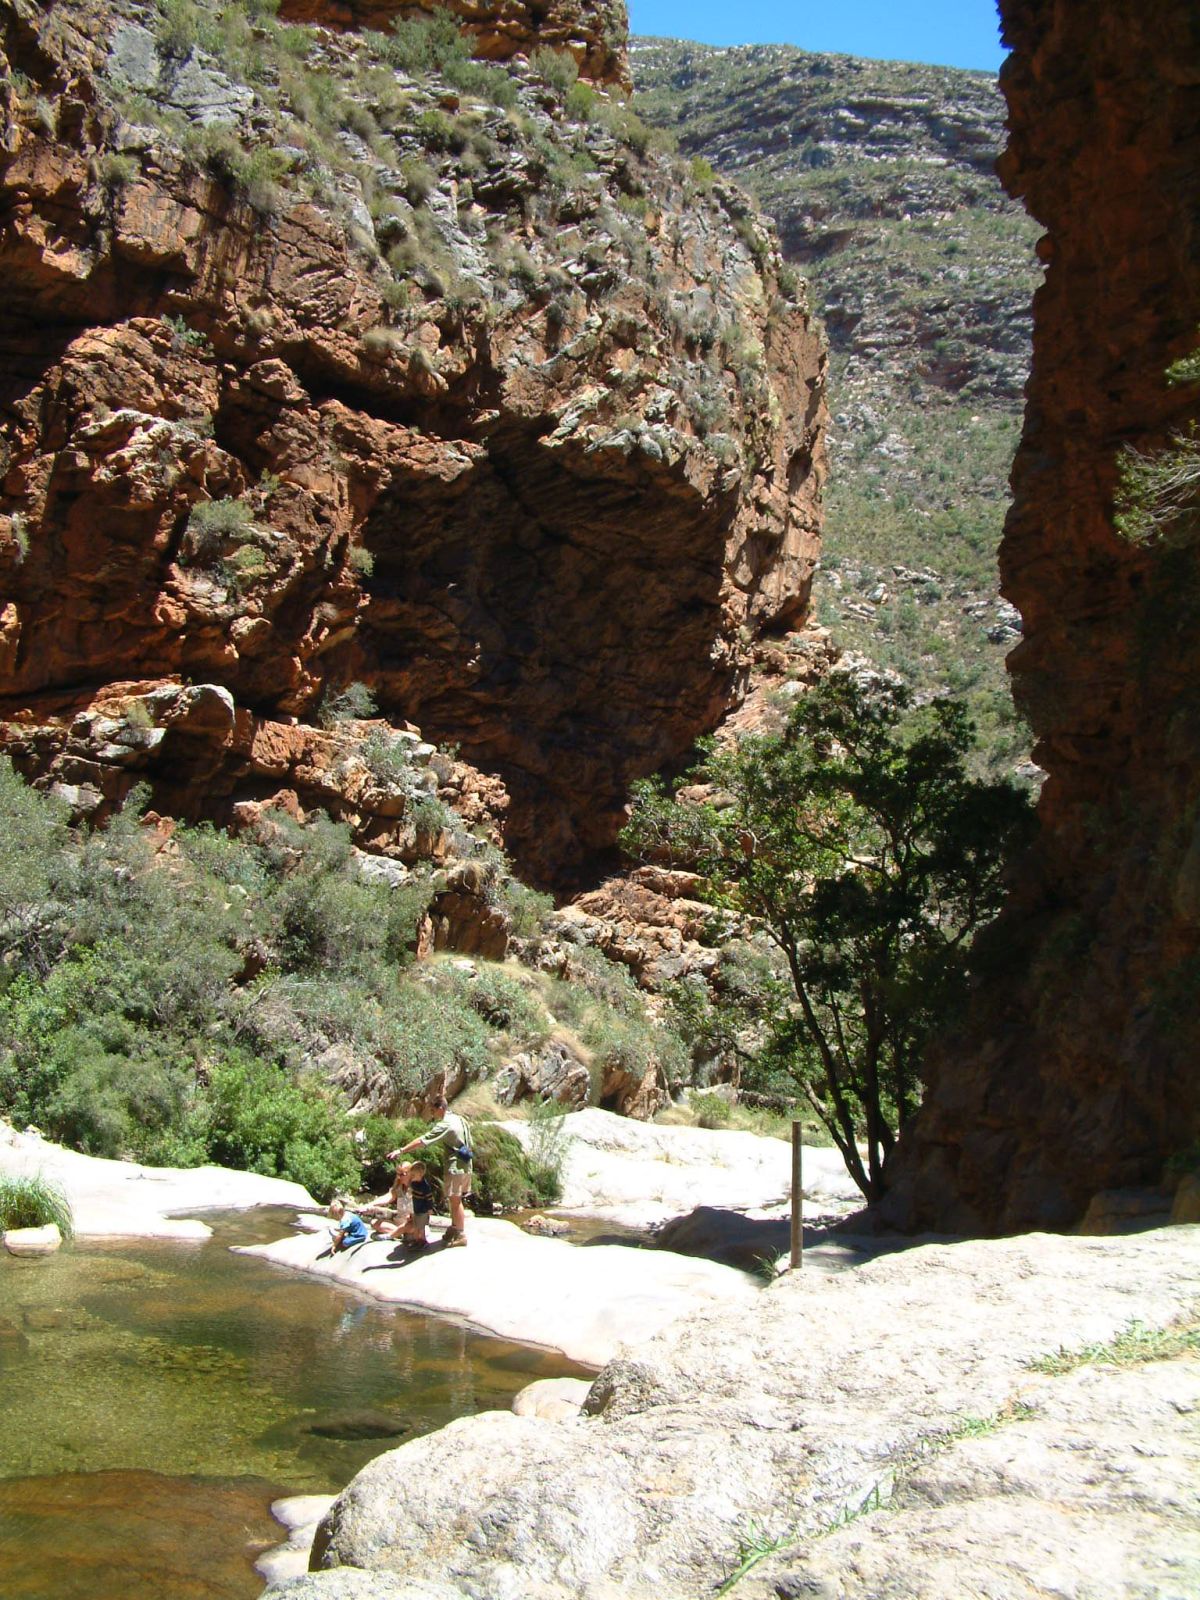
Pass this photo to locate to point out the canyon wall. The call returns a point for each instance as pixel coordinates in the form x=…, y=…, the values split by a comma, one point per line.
x=1076, y=1069
x=594, y=31
x=318, y=370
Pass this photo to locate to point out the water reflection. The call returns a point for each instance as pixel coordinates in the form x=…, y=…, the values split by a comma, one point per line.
x=177, y=1389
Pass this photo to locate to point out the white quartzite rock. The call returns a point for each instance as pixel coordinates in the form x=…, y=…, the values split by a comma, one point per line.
x=33, y=1241
x=120, y=1199
x=554, y=1399
x=785, y=1419
x=585, y=1302
x=643, y=1172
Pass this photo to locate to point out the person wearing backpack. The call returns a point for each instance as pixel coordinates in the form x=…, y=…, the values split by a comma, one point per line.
x=454, y=1136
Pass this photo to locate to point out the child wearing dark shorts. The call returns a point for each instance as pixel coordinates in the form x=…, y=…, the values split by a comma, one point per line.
x=421, y=1191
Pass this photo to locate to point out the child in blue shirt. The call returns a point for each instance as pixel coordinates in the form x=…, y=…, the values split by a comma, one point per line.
x=349, y=1229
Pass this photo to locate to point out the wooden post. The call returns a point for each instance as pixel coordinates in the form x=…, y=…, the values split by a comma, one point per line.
x=797, y=1200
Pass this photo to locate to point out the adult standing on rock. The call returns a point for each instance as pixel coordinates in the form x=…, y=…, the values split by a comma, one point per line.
x=452, y=1133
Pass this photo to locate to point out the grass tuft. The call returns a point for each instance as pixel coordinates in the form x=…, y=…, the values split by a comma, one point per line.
x=33, y=1203
x=1134, y=1346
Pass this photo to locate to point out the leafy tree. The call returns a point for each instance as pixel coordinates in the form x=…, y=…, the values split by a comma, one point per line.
x=253, y=1116
x=857, y=842
x=36, y=890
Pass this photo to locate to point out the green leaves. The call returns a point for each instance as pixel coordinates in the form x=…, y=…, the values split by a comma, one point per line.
x=858, y=844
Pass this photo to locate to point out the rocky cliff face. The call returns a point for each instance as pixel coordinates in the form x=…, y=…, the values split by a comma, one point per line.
x=593, y=31
x=880, y=177
x=328, y=360
x=1076, y=1071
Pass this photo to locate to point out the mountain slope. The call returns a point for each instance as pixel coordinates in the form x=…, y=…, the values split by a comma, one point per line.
x=879, y=176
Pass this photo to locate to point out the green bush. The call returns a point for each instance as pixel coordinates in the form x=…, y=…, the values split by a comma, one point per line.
x=180, y=28
x=115, y=171
x=111, y=1101
x=500, y=999
x=427, y=1032
x=419, y=45
x=712, y=1110
x=526, y=908
x=253, y=1116
x=114, y=967
x=581, y=103
x=556, y=68
x=34, y=1202
x=374, y=1136
x=212, y=525
x=37, y=873
x=506, y=1003
x=506, y=1177
x=354, y=703
x=389, y=760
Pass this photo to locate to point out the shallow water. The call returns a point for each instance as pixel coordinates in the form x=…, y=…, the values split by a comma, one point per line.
x=156, y=1397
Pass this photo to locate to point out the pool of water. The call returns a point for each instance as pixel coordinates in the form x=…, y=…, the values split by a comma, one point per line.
x=156, y=1397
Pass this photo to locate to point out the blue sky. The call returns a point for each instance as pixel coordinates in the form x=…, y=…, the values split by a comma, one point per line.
x=948, y=33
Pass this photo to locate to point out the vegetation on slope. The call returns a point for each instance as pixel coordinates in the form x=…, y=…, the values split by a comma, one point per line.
x=180, y=996
x=879, y=177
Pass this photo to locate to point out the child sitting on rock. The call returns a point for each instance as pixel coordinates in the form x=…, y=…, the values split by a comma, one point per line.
x=396, y=1203
x=349, y=1229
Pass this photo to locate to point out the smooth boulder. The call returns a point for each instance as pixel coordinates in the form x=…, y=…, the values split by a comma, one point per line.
x=33, y=1241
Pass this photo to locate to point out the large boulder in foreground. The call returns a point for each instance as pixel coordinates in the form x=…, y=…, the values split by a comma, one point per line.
x=914, y=1367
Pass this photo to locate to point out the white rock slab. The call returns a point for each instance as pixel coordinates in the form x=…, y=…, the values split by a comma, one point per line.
x=120, y=1199
x=787, y=1420
x=33, y=1241
x=627, y=1170
x=587, y=1303
x=554, y=1399
x=300, y=1514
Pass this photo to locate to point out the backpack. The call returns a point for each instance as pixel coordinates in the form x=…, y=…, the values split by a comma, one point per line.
x=464, y=1151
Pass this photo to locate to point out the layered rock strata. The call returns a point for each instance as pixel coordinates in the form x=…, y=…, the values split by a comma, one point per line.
x=1076, y=1069
x=476, y=401
x=593, y=31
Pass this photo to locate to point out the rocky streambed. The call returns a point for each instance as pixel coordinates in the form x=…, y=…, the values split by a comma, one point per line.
x=1017, y=1417
x=161, y=1394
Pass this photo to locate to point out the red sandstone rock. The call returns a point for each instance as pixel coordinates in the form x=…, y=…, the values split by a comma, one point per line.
x=1076, y=1070
x=592, y=31
x=512, y=524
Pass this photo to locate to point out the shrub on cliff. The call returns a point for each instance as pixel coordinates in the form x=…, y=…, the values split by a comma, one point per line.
x=859, y=844
x=1158, y=496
